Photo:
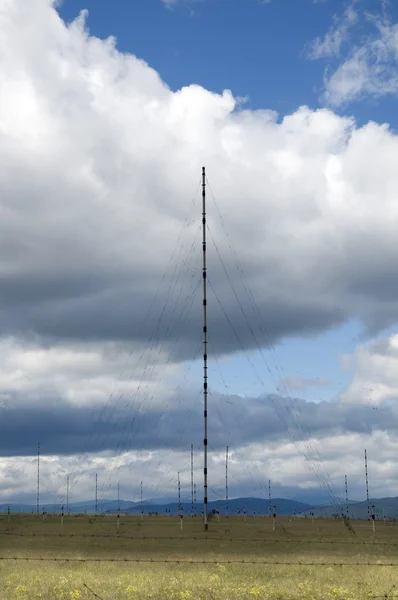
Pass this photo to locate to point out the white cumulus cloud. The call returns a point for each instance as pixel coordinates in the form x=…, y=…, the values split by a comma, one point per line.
x=375, y=372
x=330, y=45
x=369, y=65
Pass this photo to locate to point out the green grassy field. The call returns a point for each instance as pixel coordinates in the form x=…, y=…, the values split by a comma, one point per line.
x=155, y=559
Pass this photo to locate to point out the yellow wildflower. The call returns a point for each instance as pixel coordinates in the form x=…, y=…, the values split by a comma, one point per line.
x=255, y=591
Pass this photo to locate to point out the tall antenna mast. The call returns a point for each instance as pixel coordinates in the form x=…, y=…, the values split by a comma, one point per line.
x=204, y=346
x=96, y=493
x=226, y=482
x=346, y=494
x=194, y=498
x=192, y=477
x=67, y=494
x=367, y=482
x=38, y=479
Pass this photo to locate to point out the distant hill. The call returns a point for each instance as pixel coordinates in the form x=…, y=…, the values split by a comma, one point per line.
x=104, y=506
x=235, y=505
x=18, y=508
x=359, y=510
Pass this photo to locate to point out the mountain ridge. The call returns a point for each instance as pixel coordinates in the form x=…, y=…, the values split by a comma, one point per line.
x=387, y=507
x=383, y=507
x=252, y=506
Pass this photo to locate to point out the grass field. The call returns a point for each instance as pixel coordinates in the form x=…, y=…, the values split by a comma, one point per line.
x=153, y=559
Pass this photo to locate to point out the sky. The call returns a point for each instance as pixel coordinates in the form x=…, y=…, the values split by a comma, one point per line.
x=108, y=111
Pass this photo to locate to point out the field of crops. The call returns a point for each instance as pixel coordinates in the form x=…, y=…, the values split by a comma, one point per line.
x=89, y=557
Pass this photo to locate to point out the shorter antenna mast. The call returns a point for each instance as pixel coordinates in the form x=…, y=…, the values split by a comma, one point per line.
x=38, y=479
x=118, y=497
x=96, y=493
x=179, y=494
x=67, y=494
x=226, y=482
x=192, y=508
x=346, y=494
x=367, y=482
x=142, y=504
x=269, y=498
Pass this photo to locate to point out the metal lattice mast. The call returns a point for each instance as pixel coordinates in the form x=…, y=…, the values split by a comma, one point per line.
x=346, y=494
x=192, y=479
x=204, y=275
x=226, y=482
x=194, y=498
x=367, y=482
x=38, y=479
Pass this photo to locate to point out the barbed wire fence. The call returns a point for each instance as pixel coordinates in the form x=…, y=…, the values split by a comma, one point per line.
x=183, y=561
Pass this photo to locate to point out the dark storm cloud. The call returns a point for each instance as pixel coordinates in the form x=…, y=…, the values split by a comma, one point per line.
x=66, y=429
x=175, y=323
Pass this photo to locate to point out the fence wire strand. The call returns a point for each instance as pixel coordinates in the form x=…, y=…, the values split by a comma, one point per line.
x=182, y=561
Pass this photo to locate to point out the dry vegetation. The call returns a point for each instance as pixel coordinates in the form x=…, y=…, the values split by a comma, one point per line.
x=160, y=539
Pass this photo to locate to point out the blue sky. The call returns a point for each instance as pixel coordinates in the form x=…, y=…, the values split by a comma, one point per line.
x=255, y=49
